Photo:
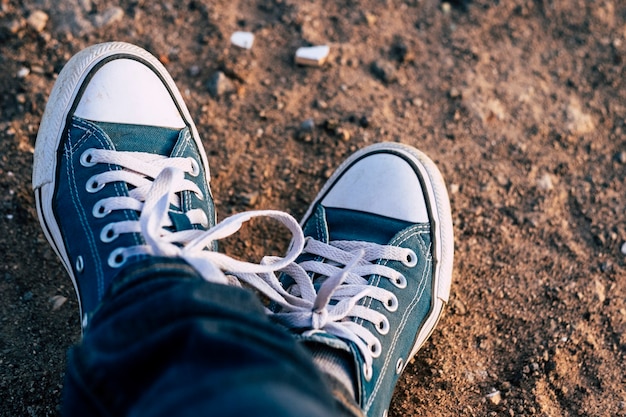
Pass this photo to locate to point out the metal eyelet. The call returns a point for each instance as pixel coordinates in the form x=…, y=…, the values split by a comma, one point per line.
x=368, y=372
x=383, y=326
x=400, y=282
x=86, y=159
x=391, y=304
x=100, y=210
x=376, y=349
x=79, y=264
x=195, y=167
x=411, y=259
x=117, y=258
x=108, y=233
x=93, y=186
x=399, y=366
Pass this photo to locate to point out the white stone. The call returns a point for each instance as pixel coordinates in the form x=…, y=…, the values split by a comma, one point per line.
x=312, y=55
x=242, y=39
x=23, y=72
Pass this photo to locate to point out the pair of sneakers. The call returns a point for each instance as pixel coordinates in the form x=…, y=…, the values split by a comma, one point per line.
x=120, y=174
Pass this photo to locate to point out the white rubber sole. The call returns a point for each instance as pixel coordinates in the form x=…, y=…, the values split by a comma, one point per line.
x=51, y=130
x=438, y=205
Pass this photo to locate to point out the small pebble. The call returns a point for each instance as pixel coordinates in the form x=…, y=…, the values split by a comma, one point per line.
x=250, y=199
x=370, y=19
x=307, y=126
x=37, y=20
x=623, y=248
x=455, y=92
x=321, y=104
x=459, y=307
x=57, y=301
x=23, y=72
x=219, y=84
x=344, y=134
x=494, y=397
x=313, y=55
x=242, y=39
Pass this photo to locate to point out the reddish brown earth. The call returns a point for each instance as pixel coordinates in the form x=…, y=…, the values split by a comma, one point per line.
x=522, y=104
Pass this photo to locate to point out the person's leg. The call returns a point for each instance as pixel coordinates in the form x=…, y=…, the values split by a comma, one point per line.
x=165, y=342
x=122, y=190
x=375, y=273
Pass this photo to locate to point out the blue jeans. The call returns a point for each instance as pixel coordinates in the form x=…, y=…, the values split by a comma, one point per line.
x=165, y=342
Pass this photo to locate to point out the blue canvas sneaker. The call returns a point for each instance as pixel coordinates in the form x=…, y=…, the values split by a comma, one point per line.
x=114, y=123
x=120, y=175
x=375, y=271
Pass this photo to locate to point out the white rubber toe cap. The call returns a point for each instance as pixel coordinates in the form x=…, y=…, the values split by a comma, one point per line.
x=382, y=184
x=126, y=91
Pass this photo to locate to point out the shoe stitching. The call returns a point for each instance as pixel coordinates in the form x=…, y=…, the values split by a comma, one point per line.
x=414, y=231
x=392, y=346
x=69, y=152
x=411, y=231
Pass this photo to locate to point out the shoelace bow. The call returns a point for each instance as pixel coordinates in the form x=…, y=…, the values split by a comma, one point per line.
x=154, y=198
x=338, y=300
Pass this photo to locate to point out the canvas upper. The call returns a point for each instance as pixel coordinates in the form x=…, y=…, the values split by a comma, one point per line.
x=114, y=121
x=376, y=269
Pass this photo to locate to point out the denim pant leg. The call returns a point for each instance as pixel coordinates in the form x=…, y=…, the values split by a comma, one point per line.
x=167, y=343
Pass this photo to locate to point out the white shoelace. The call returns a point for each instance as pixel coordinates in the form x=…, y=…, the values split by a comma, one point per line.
x=336, y=306
x=152, y=198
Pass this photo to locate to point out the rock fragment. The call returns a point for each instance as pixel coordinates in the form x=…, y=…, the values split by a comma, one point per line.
x=455, y=93
x=57, y=301
x=249, y=199
x=243, y=40
x=219, y=84
x=23, y=72
x=314, y=56
x=37, y=20
x=307, y=126
x=494, y=397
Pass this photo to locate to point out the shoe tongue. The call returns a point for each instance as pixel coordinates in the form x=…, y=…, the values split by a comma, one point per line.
x=329, y=224
x=151, y=139
x=139, y=138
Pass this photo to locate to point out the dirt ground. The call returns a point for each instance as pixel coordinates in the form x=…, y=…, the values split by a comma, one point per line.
x=522, y=103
